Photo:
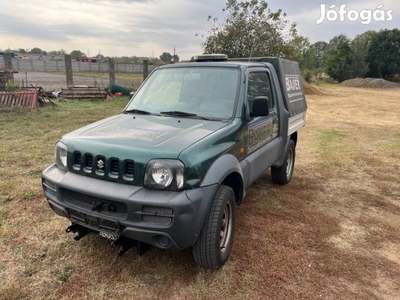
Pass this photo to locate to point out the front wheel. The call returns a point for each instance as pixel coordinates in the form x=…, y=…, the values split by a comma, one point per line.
x=214, y=243
x=284, y=173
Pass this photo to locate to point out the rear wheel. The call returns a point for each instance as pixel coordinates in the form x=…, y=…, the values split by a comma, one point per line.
x=214, y=243
x=284, y=173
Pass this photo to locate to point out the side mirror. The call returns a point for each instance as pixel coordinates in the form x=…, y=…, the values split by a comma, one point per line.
x=260, y=107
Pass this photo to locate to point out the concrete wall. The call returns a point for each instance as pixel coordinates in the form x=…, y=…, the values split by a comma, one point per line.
x=32, y=65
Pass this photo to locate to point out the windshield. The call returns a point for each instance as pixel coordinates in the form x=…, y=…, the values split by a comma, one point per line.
x=208, y=92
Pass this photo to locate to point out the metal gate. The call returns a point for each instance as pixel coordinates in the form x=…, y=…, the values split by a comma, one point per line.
x=20, y=98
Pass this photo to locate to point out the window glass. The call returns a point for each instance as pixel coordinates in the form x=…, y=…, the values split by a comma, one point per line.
x=204, y=91
x=259, y=85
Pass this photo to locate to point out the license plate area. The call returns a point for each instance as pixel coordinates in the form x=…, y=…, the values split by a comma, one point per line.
x=106, y=228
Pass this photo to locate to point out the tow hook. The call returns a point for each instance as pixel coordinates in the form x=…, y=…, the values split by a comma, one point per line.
x=79, y=230
x=126, y=244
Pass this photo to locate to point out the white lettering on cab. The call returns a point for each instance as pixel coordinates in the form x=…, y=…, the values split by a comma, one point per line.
x=292, y=84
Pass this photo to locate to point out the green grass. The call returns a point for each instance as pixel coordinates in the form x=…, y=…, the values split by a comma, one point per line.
x=333, y=146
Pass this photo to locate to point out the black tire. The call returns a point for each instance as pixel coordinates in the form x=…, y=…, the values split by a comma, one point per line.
x=214, y=243
x=284, y=173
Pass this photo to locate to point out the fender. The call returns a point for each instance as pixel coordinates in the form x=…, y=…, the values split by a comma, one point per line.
x=222, y=167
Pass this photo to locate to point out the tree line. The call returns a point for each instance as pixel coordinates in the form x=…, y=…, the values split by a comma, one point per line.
x=165, y=57
x=370, y=54
x=251, y=29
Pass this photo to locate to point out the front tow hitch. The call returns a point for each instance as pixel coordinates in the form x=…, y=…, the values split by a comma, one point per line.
x=124, y=243
x=79, y=230
x=127, y=244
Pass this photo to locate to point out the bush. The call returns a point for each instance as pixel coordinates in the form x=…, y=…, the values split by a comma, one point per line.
x=307, y=75
x=11, y=86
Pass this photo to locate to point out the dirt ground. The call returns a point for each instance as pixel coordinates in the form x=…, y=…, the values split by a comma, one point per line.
x=358, y=183
x=333, y=232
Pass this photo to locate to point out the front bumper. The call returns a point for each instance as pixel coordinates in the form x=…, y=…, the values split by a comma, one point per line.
x=159, y=218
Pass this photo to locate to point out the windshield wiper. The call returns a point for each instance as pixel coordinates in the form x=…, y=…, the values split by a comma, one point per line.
x=137, y=111
x=178, y=113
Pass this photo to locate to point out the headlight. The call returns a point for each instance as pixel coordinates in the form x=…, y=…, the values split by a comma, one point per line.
x=61, y=156
x=164, y=174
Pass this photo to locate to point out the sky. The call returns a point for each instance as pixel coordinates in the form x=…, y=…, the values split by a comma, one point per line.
x=150, y=27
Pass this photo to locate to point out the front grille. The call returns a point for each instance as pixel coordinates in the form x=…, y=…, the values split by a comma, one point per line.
x=103, y=167
x=103, y=206
x=129, y=169
x=88, y=162
x=157, y=210
x=157, y=215
x=77, y=160
x=114, y=168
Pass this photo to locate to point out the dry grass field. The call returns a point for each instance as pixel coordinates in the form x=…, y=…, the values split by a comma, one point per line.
x=332, y=233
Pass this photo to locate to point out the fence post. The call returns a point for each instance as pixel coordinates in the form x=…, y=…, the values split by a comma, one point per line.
x=111, y=70
x=8, y=61
x=68, y=70
x=145, y=69
x=8, y=65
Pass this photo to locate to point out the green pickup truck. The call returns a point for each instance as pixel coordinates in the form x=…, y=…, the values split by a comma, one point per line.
x=170, y=170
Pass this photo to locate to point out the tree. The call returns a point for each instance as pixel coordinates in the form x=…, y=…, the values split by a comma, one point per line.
x=166, y=57
x=100, y=57
x=77, y=54
x=384, y=53
x=250, y=29
x=360, y=46
x=297, y=48
x=339, y=64
x=334, y=43
x=175, y=58
x=36, y=51
x=321, y=52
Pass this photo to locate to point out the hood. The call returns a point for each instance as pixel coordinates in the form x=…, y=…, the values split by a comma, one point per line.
x=160, y=136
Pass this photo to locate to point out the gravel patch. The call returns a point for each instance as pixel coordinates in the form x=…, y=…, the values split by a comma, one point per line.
x=374, y=83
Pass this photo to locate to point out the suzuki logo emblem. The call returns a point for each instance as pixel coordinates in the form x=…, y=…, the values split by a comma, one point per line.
x=100, y=165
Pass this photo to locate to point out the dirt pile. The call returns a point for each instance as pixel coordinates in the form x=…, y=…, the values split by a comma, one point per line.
x=311, y=90
x=373, y=83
